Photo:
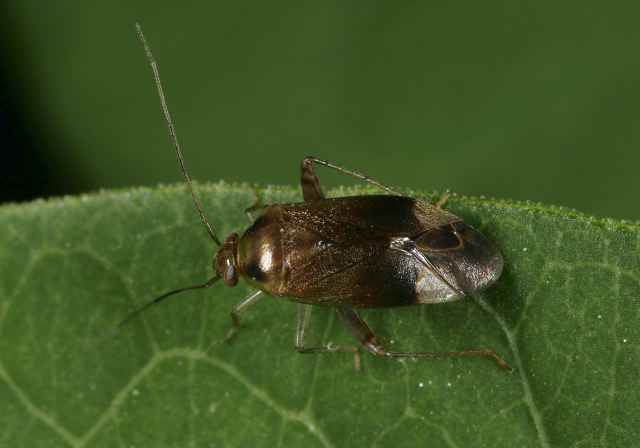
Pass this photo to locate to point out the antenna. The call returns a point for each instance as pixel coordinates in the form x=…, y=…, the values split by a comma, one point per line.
x=174, y=137
x=136, y=313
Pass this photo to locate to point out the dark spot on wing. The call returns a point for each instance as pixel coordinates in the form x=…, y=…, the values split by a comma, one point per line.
x=439, y=239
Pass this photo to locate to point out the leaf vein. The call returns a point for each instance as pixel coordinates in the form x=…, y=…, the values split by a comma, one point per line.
x=536, y=415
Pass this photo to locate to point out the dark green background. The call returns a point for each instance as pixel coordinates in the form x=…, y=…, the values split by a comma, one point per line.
x=534, y=101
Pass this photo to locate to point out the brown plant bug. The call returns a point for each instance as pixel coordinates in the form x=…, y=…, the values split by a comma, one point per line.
x=347, y=253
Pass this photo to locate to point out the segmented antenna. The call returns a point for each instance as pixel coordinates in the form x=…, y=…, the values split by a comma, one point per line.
x=174, y=137
x=135, y=313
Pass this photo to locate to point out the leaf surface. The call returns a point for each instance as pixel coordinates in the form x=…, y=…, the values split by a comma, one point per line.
x=565, y=312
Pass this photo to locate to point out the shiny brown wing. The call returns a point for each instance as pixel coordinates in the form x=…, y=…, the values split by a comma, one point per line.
x=380, y=215
x=340, y=252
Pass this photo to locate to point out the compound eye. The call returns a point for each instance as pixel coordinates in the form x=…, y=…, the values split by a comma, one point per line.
x=230, y=277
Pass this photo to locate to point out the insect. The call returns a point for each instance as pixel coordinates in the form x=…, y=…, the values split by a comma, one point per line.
x=348, y=253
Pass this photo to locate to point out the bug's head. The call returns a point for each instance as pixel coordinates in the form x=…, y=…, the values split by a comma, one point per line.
x=225, y=263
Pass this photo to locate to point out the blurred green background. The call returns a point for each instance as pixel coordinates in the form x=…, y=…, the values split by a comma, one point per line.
x=533, y=101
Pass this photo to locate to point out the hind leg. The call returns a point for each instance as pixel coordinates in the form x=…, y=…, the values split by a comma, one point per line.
x=311, y=189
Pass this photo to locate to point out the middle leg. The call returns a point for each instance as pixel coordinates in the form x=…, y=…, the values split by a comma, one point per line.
x=304, y=314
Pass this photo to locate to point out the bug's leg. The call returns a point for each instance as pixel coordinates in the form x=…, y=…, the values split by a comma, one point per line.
x=235, y=313
x=311, y=186
x=359, y=329
x=311, y=189
x=444, y=198
x=254, y=205
x=304, y=314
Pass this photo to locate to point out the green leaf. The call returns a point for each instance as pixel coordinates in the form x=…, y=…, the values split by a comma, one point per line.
x=565, y=312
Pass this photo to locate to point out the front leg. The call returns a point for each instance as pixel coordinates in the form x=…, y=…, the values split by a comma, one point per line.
x=235, y=313
x=444, y=198
x=255, y=205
